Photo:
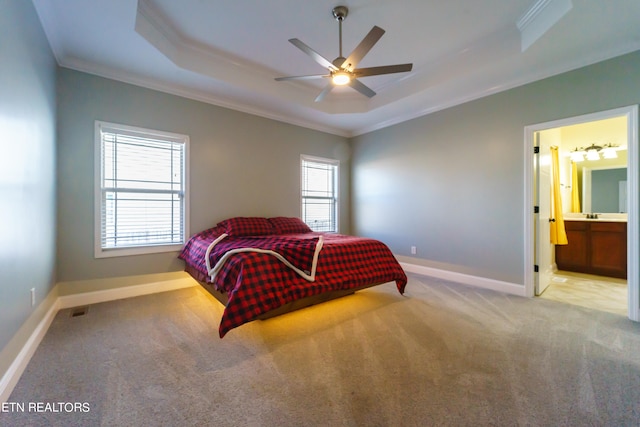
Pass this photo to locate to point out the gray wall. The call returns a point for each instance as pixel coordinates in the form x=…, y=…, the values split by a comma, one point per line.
x=240, y=165
x=452, y=183
x=27, y=176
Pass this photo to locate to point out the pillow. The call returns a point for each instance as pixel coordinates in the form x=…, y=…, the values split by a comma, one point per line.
x=284, y=225
x=247, y=226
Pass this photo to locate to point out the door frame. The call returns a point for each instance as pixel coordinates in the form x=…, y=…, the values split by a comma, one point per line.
x=633, y=186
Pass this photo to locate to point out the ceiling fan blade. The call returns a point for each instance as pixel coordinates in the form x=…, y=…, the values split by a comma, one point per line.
x=362, y=88
x=363, y=48
x=309, y=77
x=313, y=54
x=385, y=69
x=324, y=92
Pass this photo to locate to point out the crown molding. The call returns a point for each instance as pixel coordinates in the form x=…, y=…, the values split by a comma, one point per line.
x=596, y=57
x=200, y=96
x=212, y=99
x=539, y=19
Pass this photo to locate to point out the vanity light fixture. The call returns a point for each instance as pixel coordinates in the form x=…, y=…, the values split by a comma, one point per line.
x=594, y=152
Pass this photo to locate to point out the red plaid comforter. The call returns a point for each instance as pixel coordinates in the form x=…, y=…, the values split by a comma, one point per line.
x=256, y=283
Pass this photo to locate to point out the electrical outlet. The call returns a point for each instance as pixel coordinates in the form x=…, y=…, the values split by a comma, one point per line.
x=413, y=250
x=33, y=297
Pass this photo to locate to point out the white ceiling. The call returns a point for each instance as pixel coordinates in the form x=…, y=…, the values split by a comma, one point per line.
x=228, y=53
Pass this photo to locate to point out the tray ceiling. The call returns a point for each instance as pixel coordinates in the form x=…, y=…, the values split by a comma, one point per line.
x=228, y=53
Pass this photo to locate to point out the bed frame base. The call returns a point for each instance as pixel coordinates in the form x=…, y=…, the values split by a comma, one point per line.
x=293, y=305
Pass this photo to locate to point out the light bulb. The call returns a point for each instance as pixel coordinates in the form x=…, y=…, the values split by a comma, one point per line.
x=609, y=153
x=593, y=154
x=577, y=156
x=341, y=78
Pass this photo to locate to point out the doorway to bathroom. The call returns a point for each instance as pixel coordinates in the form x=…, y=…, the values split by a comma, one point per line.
x=567, y=192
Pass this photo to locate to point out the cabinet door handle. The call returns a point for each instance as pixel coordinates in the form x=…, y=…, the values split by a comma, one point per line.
x=552, y=220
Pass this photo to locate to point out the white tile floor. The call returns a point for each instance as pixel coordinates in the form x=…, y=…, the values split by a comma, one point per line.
x=597, y=292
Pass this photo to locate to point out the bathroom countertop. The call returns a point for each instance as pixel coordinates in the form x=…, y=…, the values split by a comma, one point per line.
x=597, y=220
x=602, y=217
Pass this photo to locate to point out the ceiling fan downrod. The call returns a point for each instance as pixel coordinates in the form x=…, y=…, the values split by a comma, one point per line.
x=340, y=13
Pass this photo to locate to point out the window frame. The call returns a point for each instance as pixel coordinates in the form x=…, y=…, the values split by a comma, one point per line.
x=99, y=251
x=336, y=194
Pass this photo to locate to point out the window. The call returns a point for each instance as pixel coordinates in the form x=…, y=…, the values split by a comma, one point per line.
x=141, y=191
x=320, y=193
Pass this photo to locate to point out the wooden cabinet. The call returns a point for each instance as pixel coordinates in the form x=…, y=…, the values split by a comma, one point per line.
x=595, y=247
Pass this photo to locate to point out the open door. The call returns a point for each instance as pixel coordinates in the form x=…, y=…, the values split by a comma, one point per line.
x=542, y=204
x=537, y=169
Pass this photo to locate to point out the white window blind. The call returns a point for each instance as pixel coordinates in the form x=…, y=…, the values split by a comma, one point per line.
x=141, y=193
x=320, y=193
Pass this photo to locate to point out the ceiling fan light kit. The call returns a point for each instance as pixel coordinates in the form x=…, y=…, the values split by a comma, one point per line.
x=340, y=78
x=342, y=71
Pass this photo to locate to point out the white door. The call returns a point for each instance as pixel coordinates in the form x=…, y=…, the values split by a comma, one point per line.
x=542, y=195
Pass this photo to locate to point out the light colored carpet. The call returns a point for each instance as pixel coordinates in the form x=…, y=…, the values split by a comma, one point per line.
x=444, y=354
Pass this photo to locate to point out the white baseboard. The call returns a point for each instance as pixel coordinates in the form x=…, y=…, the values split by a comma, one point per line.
x=14, y=372
x=466, y=279
x=94, y=297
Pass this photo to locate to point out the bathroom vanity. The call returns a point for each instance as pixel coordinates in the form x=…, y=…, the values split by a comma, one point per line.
x=596, y=246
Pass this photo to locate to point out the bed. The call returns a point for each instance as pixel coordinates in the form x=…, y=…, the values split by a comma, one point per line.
x=263, y=267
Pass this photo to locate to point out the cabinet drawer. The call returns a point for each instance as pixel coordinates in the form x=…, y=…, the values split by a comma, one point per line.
x=576, y=225
x=615, y=227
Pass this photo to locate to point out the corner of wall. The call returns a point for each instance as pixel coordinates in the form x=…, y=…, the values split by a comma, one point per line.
x=15, y=356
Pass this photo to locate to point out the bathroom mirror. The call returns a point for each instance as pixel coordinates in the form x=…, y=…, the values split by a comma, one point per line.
x=604, y=189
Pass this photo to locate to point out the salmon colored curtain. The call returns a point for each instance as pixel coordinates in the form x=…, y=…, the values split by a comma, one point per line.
x=558, y=233
x=575, y=197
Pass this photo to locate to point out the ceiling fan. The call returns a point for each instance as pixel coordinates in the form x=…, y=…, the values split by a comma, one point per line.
x=342, y=70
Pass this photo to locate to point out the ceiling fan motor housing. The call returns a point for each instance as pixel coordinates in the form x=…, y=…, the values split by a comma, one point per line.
x=340, y=12
x=339, y=61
